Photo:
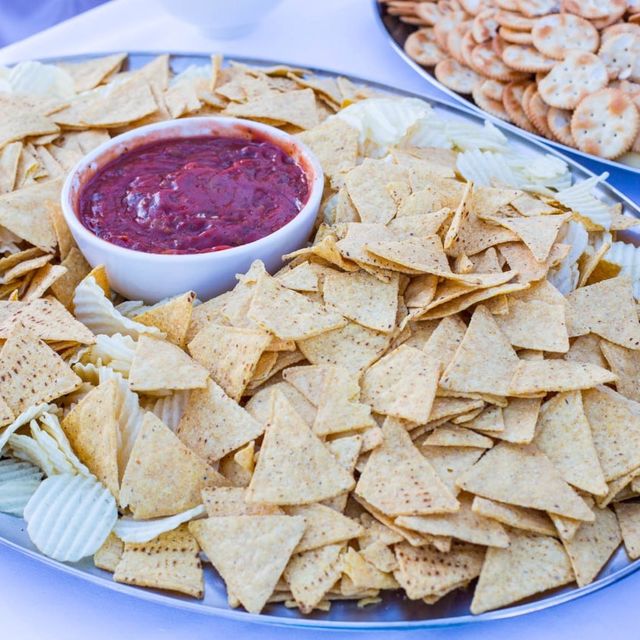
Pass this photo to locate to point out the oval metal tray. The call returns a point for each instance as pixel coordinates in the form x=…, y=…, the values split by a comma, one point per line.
x=395, y=612
x=397, y=32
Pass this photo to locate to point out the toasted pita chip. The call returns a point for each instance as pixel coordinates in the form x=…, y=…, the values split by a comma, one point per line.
x=531, y=377
x=531, y=564
x=504, y=474
x=628, y=514
x=402, y=384
x=213, y=424
x=229, y=501
x=515, y=517
x=251, y=577
x=171, y=317
x=163, y=477
x=564, y=435
x=397, y=468
x=93, y=431
x=31, y=372
x=294, y=466
x=230, y=354
x=624, y=363
x=158, y=365
x=607, y=309
x=616, y=431
x=323, y=526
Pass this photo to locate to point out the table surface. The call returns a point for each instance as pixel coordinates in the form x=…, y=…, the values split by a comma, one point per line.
x=37, y=601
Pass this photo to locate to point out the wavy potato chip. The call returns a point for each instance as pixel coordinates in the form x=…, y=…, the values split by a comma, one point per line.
x=139, y=531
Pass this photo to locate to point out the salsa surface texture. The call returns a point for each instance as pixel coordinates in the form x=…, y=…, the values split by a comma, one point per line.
x=193, y=195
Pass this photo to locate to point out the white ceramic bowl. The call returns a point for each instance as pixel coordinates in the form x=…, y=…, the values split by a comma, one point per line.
x=138, y=275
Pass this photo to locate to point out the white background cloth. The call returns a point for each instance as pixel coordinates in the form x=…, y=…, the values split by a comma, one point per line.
x=37, y=602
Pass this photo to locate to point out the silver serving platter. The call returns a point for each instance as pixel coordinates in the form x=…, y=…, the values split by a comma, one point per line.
x=395, y=612
x=397, y=32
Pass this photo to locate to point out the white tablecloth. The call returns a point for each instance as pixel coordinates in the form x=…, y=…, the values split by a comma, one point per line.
x=37, y=602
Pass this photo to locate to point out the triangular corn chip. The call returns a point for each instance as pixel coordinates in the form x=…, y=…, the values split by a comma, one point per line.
x=399, y=480
x=531, y=564
x=515, y=517
x=520, y=417
x=169, y=561
x=213, y=424
x=537, y=232
x=88, y=74
x=451, y=462
x=109, y=554
x=249, y=552
x=587, y=349
x=323, y=526
x=171, y=317
x=230, y=354
x=484, y=362
x=346, y=451
x=564, y=435
x=159, y=365
x=163, y=476
x=490, y=421
x=31, y=372
x=93, y=430
x=506, y=472
x=452, y=436
x=628, y=514
x=625, y=363
x=363, y=574
x=311, y=381
x=475, y=236
x=229, y=501
x=445, y=340
x=294, y=467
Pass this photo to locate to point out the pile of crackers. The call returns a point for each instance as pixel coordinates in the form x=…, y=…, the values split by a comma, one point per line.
x=408, y=404
x=564, y=69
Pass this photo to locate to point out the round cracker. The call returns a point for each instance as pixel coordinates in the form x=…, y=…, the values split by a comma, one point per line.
x=555, y=35
x=605, y=123
x=621, y=55
x=493, y=89
x=473, y=7
x=593, y=9
x=559, y=122
x=571, y=79
x=493, y=107
x=611, y=19
x=615, y=29
x=522, y=57
x=535, y=8
x=515, y=37
x=454, y=41
x=530, y=89
x=445, y=26
x=537, y=110
x=498, y=45
x=455, y=76
x=421, y=47
x=484, y=26
x=486, y=62
x=514, y=20
x=466, y=48
x=428, y=12
x=512, y=101
x=506, y=5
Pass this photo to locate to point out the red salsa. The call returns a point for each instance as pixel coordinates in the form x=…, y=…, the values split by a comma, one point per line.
x=193, y=195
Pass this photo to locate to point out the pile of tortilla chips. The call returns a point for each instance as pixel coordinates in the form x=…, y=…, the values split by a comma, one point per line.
x=409, y=403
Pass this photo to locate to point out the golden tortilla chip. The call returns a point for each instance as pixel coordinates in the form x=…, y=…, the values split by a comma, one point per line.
x=230, y=501
x=294, y=467
x=88, y=74
x=531, y=564
x=31, y=372
x=587, y=349
x=452, y=436
x=20, y=119
x=163, y=477
x=505, y=474
x=42, y=281
x=323, y=526
x=93, y=431
x=250, y=577
x=25, y=267
x=169, y=561
x=475, y=236
x=625, y=363
x=490, y=421
x=537, y=232
x=76, y=269
x=399, y=480
x=9, y=159
x=520, y=417
x=158, y=365
x=363, y=574
x=628, y=514
x=515, y=517
x=109, y=554
x=294, y=107
x=214, y=425
x=171, y=317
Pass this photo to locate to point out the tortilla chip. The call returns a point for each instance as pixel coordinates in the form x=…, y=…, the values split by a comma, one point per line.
x=475, y=236
x=628, y=514
x=465, y=525
x=42, y=281
x=290, y=315
x=616, y=431
x=311, y=575
x=304, y=277
x=93, y=431
x=592, y=546
x=25, y=212
x=398, y=469
x=363, y=299
x=25, y=267
x=625, y=363
x=323, y=526
x=230, y=501
x=230, y=354
x=9, y=158
x=490, y=421
x=537, y=232
x=402, y=384
x=532, y=377
x=214, y=425
x=163, y=477
x=171, y=317
x=520, y=259
x=587, y=349
x=515, y=517
x=109, y=554
x=251, y=577
x=346, y=451
x=31, y=372
x=88, y=74
x=484, y=361
x=413, y=255
x=607, y=309
x=76, y=269
x=159, y=365
x=169, y=561
x=451, y=436
x=294, y=467
x=505, y=472
x=20, y=119
x=445, y=408
x=311, y=381
x=520, y=417
x=564, y=435
x=424, y=571
x=363, y=574
x=531, y=564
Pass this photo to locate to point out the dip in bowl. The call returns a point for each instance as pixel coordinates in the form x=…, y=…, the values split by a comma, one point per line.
x=187, y=204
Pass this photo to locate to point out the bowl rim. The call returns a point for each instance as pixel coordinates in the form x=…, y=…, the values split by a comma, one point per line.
x=316, y=188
